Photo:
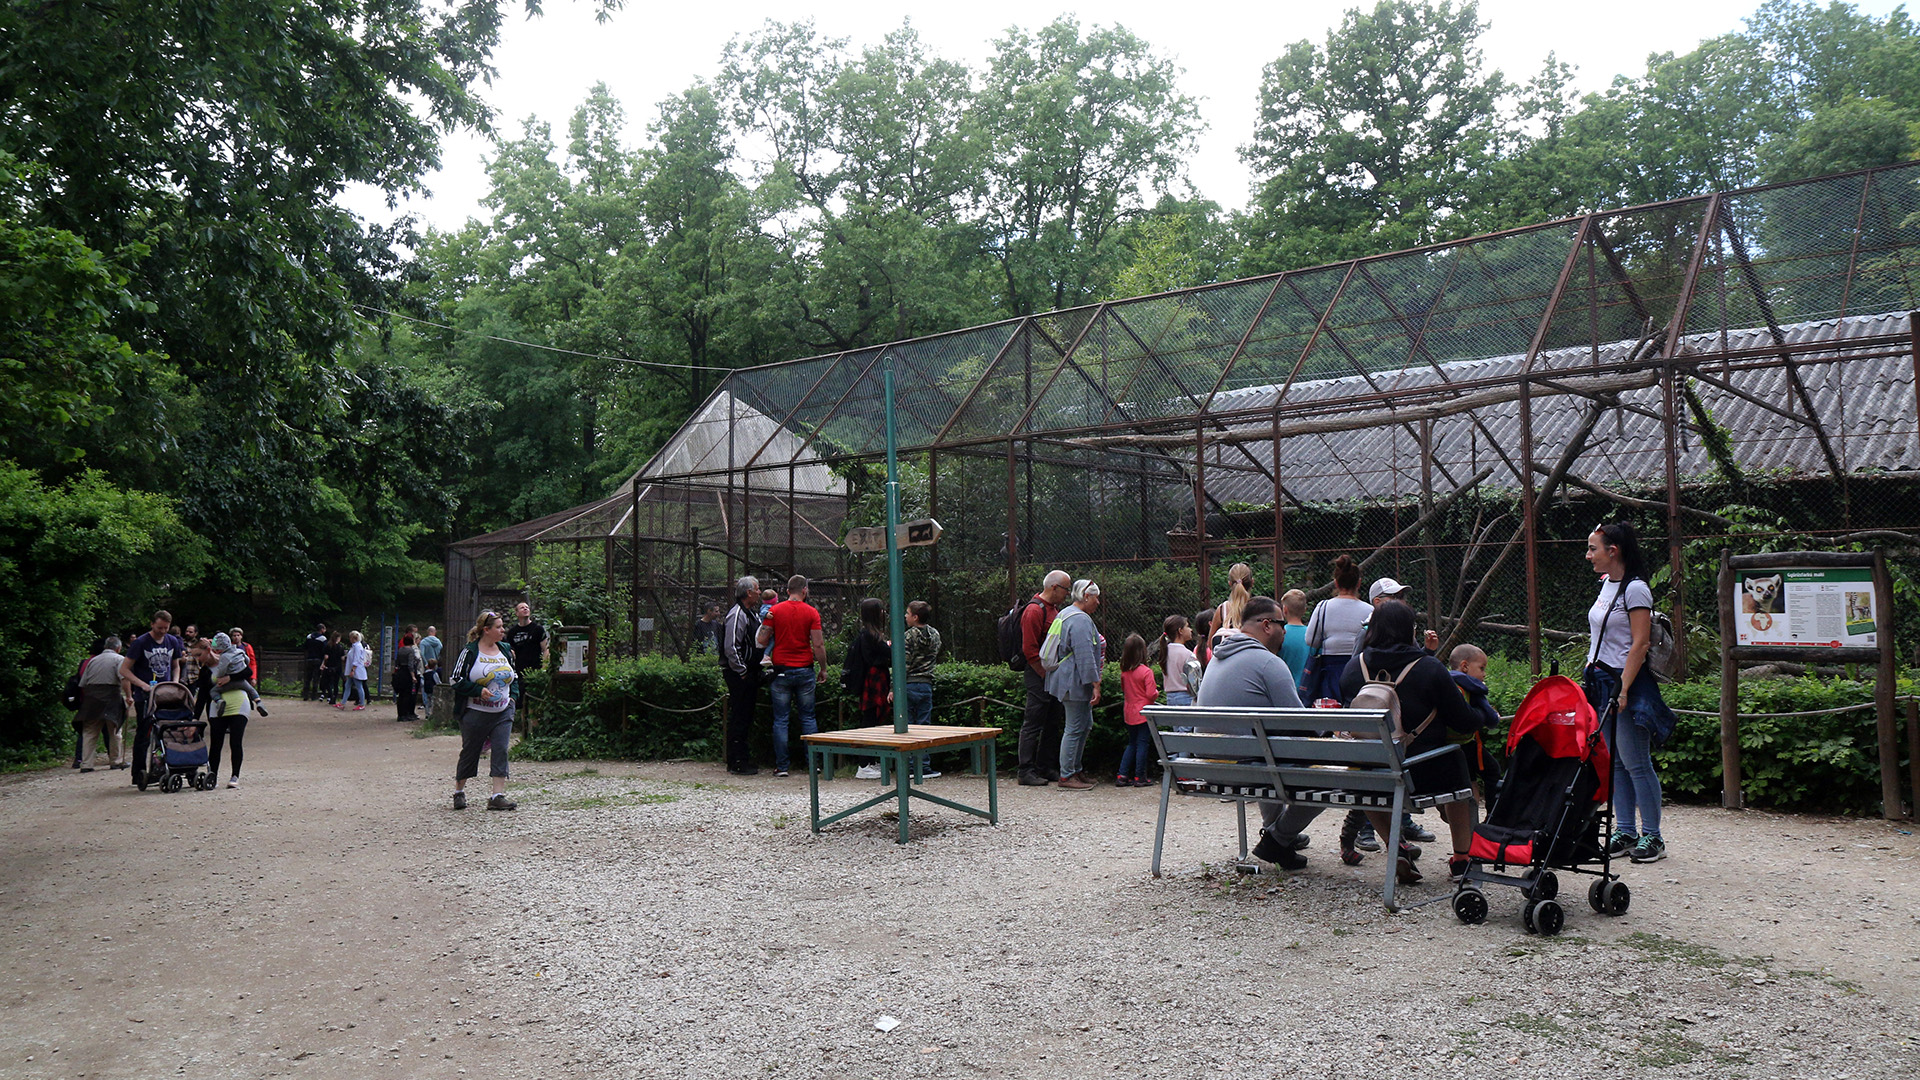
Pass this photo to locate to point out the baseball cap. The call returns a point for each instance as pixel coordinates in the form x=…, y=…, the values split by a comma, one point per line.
x=1386, y=586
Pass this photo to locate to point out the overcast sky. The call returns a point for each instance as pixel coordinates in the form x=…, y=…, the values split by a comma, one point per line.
x=651, y=50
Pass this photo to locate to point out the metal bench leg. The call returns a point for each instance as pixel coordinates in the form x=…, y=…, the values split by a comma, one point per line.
x=1240, y=807
x=1160, y=828
x=1392, y=849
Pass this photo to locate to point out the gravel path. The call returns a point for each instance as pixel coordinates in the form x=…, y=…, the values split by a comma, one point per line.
x=335, y=918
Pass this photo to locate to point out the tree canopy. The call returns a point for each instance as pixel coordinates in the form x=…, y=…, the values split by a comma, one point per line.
x=189, y=314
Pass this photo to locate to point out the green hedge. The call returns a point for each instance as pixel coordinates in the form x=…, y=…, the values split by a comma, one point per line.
x=1819, y=763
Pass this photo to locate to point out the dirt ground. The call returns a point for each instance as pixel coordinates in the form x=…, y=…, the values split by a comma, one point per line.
x=335, y=918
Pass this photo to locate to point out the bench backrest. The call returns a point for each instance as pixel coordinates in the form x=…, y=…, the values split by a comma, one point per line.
x=1253, y=745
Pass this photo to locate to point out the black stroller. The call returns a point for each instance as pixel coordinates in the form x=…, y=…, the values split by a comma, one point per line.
x=179, y=756
x=1552, y=813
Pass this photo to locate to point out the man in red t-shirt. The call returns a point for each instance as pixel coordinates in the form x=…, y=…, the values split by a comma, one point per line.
x=799, y=660
x=1039, y=752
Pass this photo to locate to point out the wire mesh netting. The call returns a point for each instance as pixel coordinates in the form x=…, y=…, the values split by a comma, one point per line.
x=1737, y=367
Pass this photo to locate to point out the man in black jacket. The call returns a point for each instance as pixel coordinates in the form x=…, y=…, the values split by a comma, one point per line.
x=316, y=655
x=740, y=666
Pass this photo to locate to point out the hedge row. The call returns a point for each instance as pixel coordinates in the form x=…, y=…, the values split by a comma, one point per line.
x=655, y=708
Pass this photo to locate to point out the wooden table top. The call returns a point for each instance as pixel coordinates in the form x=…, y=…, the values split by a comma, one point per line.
x=917, y=737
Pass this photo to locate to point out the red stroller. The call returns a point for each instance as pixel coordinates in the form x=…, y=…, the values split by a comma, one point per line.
x=1553, y=813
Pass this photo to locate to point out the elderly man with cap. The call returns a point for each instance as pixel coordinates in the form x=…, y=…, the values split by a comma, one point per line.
x=1388, y=589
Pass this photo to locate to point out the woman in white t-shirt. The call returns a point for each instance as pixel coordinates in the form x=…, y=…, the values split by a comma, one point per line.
x=1333, y=633
x=486, y=687
x=1616, y=676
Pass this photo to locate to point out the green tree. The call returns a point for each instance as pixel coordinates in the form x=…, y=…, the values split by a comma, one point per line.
x=1084, y=130
x=1377, y=139
x=870, y=158
x=201, y=148
x=76, y=554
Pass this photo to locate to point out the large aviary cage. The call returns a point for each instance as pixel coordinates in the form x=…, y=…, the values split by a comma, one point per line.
x=1456, y=416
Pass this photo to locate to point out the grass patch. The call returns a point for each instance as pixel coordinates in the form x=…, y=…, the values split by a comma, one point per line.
x=1540, y=1027
x=1659, y=947
x=626, y=798
x=1667, y=1047
x=575, y=775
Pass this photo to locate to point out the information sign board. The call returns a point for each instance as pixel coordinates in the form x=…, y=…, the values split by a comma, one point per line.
x=1812, y=607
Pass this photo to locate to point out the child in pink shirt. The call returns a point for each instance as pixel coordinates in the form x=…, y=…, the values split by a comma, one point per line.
x=1138, y=691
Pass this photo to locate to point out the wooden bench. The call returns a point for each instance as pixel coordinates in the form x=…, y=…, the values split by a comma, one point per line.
x=899, y=754
x=1335, y=758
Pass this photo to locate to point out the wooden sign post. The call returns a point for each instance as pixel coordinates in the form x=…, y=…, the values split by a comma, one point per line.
x=1807, y=607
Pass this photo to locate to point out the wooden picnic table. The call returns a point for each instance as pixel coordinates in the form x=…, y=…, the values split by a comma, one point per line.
x=900, y=755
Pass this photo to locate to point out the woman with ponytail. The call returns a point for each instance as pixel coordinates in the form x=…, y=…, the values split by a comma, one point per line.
x=1172, y=651
x=1239, y=590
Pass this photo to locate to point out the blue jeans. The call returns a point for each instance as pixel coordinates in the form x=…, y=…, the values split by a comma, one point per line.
x=788, y=684
x=1326, y=681
x=1073, y=737
x=919, y=703
x=1636, y=786
x=356, y=690
x=1179, y=697
x=1139, y=752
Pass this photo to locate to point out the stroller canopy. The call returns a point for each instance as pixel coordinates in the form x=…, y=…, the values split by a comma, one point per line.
x=1557, y=716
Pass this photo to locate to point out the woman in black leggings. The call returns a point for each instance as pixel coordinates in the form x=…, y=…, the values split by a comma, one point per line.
x=230, y=712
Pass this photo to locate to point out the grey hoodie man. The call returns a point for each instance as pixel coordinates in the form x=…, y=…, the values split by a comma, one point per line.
x=1247, y=672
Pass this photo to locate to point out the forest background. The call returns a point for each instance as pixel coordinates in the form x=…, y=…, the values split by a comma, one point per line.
x=215, y=381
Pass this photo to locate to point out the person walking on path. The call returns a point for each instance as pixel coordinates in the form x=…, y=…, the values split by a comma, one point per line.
x=230, y=716
x=104, y=697
x=1617, y=678
x=334, y=672
x=797, y=650
x=315, y=658
x=1137, y=691
x=1075, y=677
x=1039, y=760
x=486, y=688
x=355, y=670
x=740, y=666
x=239, y=639
x=154, y=656
x=1333, y=633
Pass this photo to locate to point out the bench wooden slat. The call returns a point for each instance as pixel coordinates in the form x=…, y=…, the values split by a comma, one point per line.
x=1283, y=748
x=1276, y=721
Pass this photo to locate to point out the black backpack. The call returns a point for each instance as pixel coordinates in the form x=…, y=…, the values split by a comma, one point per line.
x=1012, y=642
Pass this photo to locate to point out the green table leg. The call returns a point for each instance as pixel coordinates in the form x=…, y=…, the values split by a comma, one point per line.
x=993, y=781
x=903, y=780
x=813, y=781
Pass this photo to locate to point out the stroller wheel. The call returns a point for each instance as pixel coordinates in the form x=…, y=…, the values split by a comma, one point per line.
x=1545, y=917
x=1597, y=897
x=1617, y=896
x=1546, y=886
x=1470, y=905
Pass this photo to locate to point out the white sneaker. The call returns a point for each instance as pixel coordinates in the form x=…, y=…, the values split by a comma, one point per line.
x=867, y=772
x=929, y=774
x=234, y=783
